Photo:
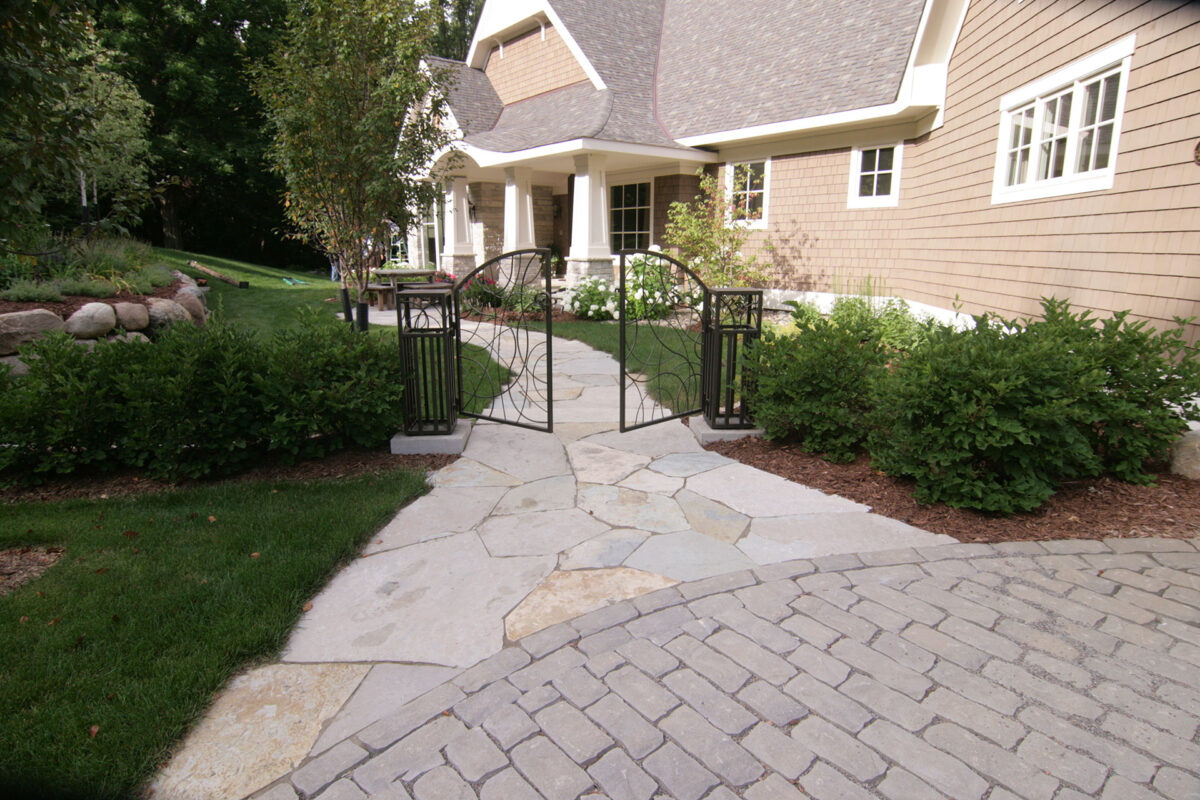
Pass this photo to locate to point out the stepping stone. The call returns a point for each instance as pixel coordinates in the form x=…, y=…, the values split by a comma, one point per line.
x=588, y=365
x=566, y=595
x=260, y=727
x=647, y=480
x=568, y=432
x=595, y=463
x=688, y=556
x=540, y=533
x=761, y=494
x=775, y=539
x=711, y=518
x=683, y=465
x=401, y=604
x=524, y=454
x=543, y=495
x=443, y=511
x=466, y=472
x=385, y=690
x=654, y=441
x=626, y=508
x=606, y=550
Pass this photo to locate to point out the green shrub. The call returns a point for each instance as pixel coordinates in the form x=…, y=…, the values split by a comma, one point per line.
x=804, y=313
x=25, y=290
x=326, y=387
x=479, y=293
x=652, y=290
x=994, y=418
x=814, y=387
x=525, y=299
x=888, y=321
x=593, y=298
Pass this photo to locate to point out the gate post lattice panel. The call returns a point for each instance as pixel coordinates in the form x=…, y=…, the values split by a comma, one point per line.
x=427, y=359
x=503, y=309
x=660, y=315
x=734, y=320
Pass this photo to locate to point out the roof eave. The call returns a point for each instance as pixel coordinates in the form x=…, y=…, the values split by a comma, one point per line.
x=493, y=158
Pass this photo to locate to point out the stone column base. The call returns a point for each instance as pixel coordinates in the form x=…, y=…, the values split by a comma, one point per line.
x=458, y=265
x=580, y=268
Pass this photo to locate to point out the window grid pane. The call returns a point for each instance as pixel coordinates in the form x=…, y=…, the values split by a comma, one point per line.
x=629, y=216
x=875, y=175
x=748, y=192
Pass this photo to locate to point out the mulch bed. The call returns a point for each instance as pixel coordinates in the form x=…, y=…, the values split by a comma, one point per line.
x=21, y=565
x=1086, y=509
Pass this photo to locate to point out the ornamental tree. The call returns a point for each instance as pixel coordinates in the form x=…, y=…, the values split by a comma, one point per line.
x=356, y=123
x=709, y=234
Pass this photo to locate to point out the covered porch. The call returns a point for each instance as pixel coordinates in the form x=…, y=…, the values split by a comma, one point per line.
x=585, y=200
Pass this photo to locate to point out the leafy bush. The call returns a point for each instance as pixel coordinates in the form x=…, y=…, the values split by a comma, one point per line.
x=996, y=417
x=710, y=237
x=652, y=290
x=200, y=401
x=888, y=321
x=481, y=292
x=804, y=313
x=814, y=387
x=24, y=290
x=525, y=299
x=593, y=298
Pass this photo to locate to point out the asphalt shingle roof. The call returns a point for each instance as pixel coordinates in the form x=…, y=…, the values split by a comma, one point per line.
x=474, y=102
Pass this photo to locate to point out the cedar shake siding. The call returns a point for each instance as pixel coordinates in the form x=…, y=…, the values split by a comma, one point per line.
x=1135, y=245
x=531, y=66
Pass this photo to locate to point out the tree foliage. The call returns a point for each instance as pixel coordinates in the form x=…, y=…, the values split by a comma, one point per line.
x=455, y=27
x=356, y=123
x=710, y=239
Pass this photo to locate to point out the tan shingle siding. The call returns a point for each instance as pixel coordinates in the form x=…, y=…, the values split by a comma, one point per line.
x=531, y=66
x=1136, y=245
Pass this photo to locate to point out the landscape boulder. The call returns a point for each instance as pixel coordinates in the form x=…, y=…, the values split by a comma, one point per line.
x=129, y=336
x=185, y=280
x=1185, y=456
x=92, y=321
x=164, y=313
x=132, y=316
x=193, y=304
x=15, y=363
x=19, y=327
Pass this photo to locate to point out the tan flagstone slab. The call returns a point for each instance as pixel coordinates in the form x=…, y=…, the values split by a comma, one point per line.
x=712, y=518
x=775, y=539
x=548, y=494
x=761, y=494
x=525, y=454
x=595, y=463
x=566, y=595
x=443, y=511
x=260, y=727
x=647, y=480
x=654, y=441
x=683, y=465
x=568, y=432
x=385, y=689
x=587, y=365
x=539, y=533
x=467, y=472
x=606, y=550
x=688, y=556
x=627, y=508
x=441, y=602
x=595, y=380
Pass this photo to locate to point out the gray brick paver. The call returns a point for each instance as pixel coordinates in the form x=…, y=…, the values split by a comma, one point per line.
x=952, y=706
x=769, y=600
x=412, y=716
x=1158, y=605
x=820, y=664
x=1160, y=744
x=997, y=601
x=708, y=662
x=474, y=709
x=604, y=663
x=773, y=787
x=887, y=703
x=843, y=622
x=901, y=785
x=648, y=657
x=909, y=606
x=711, y=747
x=622, y=779
x=579, y=687
x=442, y=783
x=474, y=755
x=575, y=734
x=882, y=616
x=882, y=668
x=546, y=669
x=1177, y=784
x=491, y=669
x=679, y=773
x=1063, y=763
x=932, y=764
x=661, y=626
x=549, y=770
x=835, y=746
x=759, y=660
x=808, y=629
x=841, y=598
x=778, y=751
x=979, y=639
x=509, y=725
x=714, y=705
x=1057, y=697
x=1122, y=759
x=603, y=641
x=628, y=727
x=508, y=785
x=829, y=703
x=646, y=695
x=904, y=652
x=771, y=704
x=769, y=635
x=823, y=782
x=548, y=639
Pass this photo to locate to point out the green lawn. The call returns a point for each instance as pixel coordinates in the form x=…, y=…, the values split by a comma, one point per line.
x=156, y=602
x=669, y=355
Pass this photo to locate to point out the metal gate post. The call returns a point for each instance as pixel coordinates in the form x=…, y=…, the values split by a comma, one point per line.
x=732, y=319
x=428, y=332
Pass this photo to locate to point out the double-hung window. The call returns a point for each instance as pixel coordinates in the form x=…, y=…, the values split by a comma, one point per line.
x=1058, y=135
x=746, y=186
x=874, y=176
x=629, y=216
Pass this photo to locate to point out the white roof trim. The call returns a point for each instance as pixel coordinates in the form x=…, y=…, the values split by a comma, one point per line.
x=892, y=112
x=492, y=158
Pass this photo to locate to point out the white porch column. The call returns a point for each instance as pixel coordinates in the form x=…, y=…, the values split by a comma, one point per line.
x=458, y=252
x=590, y=253
x=518, y=208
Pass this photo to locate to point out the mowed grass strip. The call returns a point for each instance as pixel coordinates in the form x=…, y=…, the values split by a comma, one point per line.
x=156, y=602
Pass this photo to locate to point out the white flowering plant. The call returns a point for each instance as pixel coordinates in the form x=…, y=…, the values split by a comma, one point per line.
x=653, y=292
x=594, y=298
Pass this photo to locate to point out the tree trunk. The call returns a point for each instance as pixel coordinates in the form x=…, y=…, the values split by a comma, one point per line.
x=169, y=211
x=361, y=321
x=347, y=309
x=83, y=200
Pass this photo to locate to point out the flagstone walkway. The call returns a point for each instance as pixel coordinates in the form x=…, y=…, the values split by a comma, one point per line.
x=627, y=615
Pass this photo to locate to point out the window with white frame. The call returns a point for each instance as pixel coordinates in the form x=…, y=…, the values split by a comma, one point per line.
x=746, y=185
x=874, y=176
x=629, y=216
x=1058, y=135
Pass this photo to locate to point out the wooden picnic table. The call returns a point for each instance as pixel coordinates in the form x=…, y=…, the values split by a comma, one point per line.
x=393, y=276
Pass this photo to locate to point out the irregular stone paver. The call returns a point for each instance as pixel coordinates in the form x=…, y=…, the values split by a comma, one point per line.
x=760, y=494
x=681, y=465
x=393, y=606
x=539, y=533
x=687, y=556
x=712, y=518
x=606, y=550
x=524, y=454
x=566, y=595
x=653, y=726
x=467, y=472
x=443, y=511
x=627, y=508
x=547, y=494
x=774, y=539
x=595, y=463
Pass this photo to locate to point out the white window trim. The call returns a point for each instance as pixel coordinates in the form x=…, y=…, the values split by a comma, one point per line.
x=752, y=224
x=1119, y=54
x=853, y=200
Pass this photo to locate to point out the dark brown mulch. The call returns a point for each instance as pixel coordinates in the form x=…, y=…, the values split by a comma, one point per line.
x=73, y=302
x=21, y=565
x=1086, y=509
x=345, y=464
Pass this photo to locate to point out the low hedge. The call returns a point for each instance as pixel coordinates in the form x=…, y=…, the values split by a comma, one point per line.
x=992, y=418
x=198, y=402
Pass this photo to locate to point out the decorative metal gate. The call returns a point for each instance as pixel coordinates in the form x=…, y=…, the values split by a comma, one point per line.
x=502, y=312
x=681, y=343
